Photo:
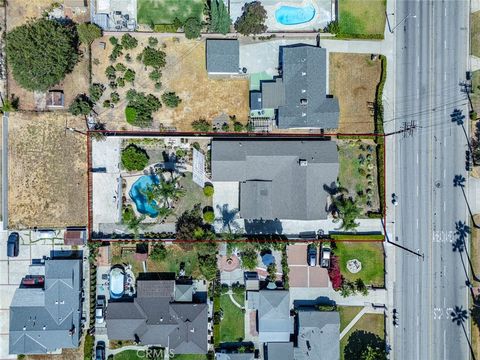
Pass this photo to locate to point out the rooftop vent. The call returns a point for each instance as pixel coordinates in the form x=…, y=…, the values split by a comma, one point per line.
x=304, y=91
x=304, y=73
x=303, y=162
x=304, y=114
x=303, y=101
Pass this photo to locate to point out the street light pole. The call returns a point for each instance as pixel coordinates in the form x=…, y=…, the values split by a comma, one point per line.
x=401, y=21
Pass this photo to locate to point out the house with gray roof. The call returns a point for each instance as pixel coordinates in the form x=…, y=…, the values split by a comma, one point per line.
x=234, y=356
x=279, y=178
x=318, y=335
x=223, y=56
x=274, y=321
x=279, y=351
x=46, y=317
x=155, y=317
x=299, y=94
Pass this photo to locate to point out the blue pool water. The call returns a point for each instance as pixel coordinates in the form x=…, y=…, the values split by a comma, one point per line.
x=291, y=15
x=144, y=207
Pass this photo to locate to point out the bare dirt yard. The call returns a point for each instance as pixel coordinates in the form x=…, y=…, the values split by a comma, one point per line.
x=353, y=80
x=47, y=171
x=185, y=74
x=18, y=13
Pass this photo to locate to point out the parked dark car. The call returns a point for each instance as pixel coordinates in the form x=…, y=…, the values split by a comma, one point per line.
x=13, y=244
x=312, y=255
x=100, y=351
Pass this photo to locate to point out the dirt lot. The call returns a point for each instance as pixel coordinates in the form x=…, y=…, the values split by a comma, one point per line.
x=184, y=74
x=353, y=80
x=47, y=171
x=18, y=12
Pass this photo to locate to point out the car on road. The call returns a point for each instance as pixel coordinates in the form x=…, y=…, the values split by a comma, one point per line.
x=100, y=310
x=394, y=199
x=100, y=351
x=312, y=255
x=13, y=244
x=325, y=255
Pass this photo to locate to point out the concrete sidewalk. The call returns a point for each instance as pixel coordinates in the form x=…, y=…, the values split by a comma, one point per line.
x=373, y=297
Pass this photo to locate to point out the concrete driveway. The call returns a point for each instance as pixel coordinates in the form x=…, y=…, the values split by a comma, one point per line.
x=302, y=275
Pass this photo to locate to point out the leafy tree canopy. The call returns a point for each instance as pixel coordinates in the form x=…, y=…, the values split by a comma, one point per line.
x=129, y=42
x=82, y=105
x=171, y=99
x=153, y=57
x=134, y=158
x=41, y=52
x=87, y=33
x=252, y=20
x=192, y=28
x=249, y=258
x=348, y=211
x=220, y=20
x=143, y=106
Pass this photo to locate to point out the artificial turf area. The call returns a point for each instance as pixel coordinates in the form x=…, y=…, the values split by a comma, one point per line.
x=165, y=11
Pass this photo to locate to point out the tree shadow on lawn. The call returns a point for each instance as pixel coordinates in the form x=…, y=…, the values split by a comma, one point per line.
x=359, y=341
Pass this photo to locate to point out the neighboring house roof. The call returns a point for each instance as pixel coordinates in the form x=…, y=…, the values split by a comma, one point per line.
x=223, y=56
x=44, y=320
x=274, y=321
x=279, y=351
x=236, y=356
x=183, y=292
x=300, y=93
x=318, y=335
x=156, y=320
x=279, y=179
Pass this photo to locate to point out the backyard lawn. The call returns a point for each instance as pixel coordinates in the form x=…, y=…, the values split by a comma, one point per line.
x=475, y=33
x=370, y=254
x=232, y=324
x=165, y=11
x=366, y=17
x=347, y=313
x=127, y=355
x=369, y=330
x=190, y=357
x=358, y=172
x=175, y=256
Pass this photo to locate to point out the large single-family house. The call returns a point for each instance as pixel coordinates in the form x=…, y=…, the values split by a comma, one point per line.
x=299, y=96
x=318, y=335
x=162, y=314
x=277, y=179
x=46, y=309
x=274, y=321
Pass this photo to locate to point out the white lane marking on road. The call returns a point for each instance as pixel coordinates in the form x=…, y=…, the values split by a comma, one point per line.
x=418, y=93
x=445, y=76
x=418, y=288
x=418, y=320
x=417, y=223
x=418, y=61
x=417, y=190
x=444, y=206
x=445, y=12
x=417, y=158
x=444, y=344
x=445, y=44
x=444, y=173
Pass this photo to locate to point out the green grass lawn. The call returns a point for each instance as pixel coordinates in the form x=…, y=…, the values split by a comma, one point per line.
x=347, y=313
x=193, y=195
x=165, y=11
x=475, y=33
x=370, y=254
x=232, y=324
x=362, y=17
x=370, y=323
x=190, y=357
x=475, y=96
x=127, y=355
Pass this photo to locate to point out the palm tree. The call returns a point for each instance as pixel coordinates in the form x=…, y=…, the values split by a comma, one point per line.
x=167, y=190
x=458, y=118
x=459, y=181
x=348, y=211
x=459, y=316
x=463, y=230
x=163, y=212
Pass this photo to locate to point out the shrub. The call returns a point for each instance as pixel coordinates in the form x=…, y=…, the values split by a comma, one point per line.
x=129, y=76
x=82, y=105
x=116, y=52
x=120, y=67
x=87, y=33
x=201, y=125
x=180, y=153
x=237, y=127
x=171, y=99
x=106, y=104
x=121, y=82
x=208, y=190
x=158, y=85
x=158, y=252
x=113, y=40
x=110, y=72
x=114, y=97
x=40, y=53
x=192, y=28
x=188, y=223
x=152, y=41
x=473, y=115
x=252, y=21
x=134, y=158
x=96, y=92
x=155, y=75
x=152, y=57
x=144, y=106
x=129, y=42
x=165, y=28
x=326, y=308
x=88, y=347
x=209, y=217
x=334, y=273
x=249, y=258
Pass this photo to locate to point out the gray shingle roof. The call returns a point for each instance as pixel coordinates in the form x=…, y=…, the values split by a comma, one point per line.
x=318, y=335
x=41, y=319
x=279, y=351
x=235, y=356
x=158, y=321
x=274, y=321
x=273, y=184
x=223, y=56
x=300, y=93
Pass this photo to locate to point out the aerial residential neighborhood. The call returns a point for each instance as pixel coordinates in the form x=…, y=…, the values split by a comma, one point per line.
x=239, y=179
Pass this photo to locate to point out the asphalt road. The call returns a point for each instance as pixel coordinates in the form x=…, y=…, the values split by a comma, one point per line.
x=431, y=54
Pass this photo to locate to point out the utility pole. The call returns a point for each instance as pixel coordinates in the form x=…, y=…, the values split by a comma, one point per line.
x=407, y=129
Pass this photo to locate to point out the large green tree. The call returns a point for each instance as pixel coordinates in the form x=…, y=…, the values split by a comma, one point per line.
x=134, y=158
x=348, y=211
x=252, y=20
x=192, y=28
x=87, y=33
x=41, y=52
x=220, y=20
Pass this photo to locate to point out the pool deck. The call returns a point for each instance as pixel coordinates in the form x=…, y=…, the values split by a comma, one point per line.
x=324, y=13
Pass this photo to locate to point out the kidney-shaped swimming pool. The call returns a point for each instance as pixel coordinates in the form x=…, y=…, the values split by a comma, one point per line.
x=292, y=15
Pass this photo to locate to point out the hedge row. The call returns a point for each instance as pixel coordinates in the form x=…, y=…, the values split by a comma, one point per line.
x=360, y=36
x=88, y=347
x=380, y=140
x=165, y=28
